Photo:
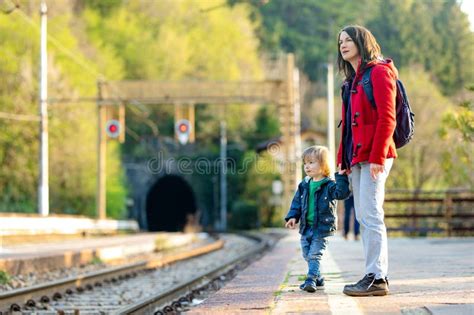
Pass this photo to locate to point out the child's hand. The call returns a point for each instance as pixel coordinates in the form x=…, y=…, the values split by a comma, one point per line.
x=291, y=223
x=341, y=172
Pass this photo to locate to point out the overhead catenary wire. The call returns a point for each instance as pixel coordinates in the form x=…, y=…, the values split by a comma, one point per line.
x=81, y=61
x=19, y=117
x=74, y=56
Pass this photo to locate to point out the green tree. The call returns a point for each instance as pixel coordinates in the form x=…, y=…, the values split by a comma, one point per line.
x=438, y=38
x=261, y=171
x=72, y=132
x=458, y=130
x=265, y=127
x=18, y=139
x=73, y=181
x=418, y=165
x=308, y=28
x=454, y=59
x=174, y=41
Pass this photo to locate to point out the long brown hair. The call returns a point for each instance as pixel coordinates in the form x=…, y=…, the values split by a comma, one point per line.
x=369, y=49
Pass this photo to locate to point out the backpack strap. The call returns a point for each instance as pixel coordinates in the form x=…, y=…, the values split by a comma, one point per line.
x=367, y=84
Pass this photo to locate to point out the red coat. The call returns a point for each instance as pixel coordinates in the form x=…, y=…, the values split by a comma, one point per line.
x=372, y=129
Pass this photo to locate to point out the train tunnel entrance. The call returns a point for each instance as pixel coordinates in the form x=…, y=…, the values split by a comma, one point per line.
x=169, y=202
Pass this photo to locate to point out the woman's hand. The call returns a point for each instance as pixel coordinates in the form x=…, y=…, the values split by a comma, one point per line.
x=375, y=169
x=291, y=223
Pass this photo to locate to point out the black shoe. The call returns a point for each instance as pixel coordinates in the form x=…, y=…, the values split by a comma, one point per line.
x=320, y=283
x=368, y=286
x=310, y=283
x=367, y=278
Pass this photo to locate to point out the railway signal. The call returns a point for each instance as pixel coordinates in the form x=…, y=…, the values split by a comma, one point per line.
x=183, y=129
x=113, y=128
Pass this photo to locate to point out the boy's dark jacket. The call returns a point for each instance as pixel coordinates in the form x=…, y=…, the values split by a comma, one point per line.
x=326, y=197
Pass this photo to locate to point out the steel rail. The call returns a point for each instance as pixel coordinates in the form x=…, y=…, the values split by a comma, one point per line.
x=14, y=299
x=150, y=304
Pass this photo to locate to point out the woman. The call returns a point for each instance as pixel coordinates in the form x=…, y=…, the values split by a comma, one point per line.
x=367, y=149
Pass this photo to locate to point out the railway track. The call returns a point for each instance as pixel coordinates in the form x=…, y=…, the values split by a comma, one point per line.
x=155, y=286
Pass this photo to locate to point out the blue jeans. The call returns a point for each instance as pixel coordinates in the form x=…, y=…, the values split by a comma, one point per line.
x=312, y=247
x=348, y=213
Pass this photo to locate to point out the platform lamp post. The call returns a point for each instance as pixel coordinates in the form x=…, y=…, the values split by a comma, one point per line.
x=331, y=127
x=43, y=186
x=223, y=179
x=331, y=136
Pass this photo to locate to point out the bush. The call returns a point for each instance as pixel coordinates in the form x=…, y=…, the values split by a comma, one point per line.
x=244, y=215
x=4, y=277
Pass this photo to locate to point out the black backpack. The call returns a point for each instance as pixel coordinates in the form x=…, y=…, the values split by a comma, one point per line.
x=405, y=128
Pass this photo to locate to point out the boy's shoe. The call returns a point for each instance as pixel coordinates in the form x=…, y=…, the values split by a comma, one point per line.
x=367, y=286
x=320, y=283
x=310, y=285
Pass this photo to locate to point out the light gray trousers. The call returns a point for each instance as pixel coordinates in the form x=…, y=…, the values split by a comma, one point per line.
x=369, y=195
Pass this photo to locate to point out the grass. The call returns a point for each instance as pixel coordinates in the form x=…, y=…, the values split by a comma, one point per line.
x=4, y=277
x=283, y=285
x=278, y=293
x=96, y=261
x=287, y=277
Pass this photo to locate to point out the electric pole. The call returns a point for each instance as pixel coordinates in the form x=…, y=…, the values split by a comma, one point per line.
x=43, y=186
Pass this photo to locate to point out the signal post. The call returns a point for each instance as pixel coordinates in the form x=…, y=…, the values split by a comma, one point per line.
x=106, y=128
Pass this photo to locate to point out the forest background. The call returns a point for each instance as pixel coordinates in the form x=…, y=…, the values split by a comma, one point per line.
x=430, y=41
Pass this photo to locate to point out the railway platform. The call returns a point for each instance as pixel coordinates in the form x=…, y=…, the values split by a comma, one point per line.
x=427, y=276
x=40, y=256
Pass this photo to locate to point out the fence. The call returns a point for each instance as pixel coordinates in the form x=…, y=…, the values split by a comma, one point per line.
x=421, y=213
